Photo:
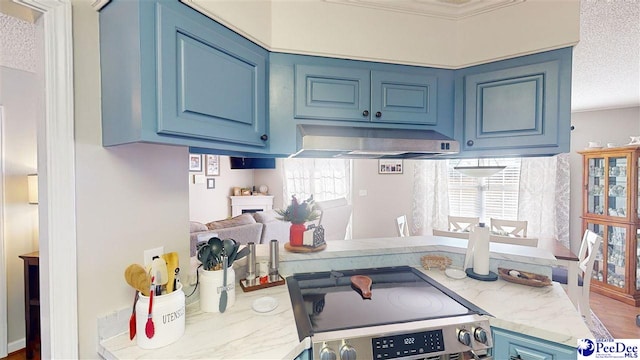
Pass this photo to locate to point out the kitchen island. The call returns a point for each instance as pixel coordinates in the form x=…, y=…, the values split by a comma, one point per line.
x=241, y=333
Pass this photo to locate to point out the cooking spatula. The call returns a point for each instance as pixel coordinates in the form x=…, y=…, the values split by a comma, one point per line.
x=223, y=296
x=149, y=329
x=362, y=283
x=159, y=270
x=137, y=278
x=172, y=264
x=132, y=319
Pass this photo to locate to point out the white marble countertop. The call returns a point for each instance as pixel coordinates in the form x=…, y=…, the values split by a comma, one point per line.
x=240, y=332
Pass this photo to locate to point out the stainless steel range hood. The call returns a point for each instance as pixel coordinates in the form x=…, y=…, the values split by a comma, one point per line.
x=316, y=141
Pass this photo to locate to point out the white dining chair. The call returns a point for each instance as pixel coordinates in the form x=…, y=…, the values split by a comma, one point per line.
x=462, y=223
x=509, y=227
x=402, y=225
x=587, y=256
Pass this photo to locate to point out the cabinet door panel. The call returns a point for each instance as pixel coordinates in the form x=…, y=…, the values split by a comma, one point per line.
x=511, y=108
x=510, y=345
x=209, y=87
x=403, y=98
x=333, y=93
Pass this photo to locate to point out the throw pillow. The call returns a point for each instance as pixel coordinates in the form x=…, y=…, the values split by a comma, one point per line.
x=243, y=219
x=195, y=226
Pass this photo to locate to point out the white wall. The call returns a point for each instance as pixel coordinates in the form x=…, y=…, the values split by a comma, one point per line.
x=129, y=198
x=207, y=205
x=19, y=97
x=615, y=125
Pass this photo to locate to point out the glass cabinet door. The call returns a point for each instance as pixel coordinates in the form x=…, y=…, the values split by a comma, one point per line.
x=617, y=191
x=595, y=186
x=598, y=264
x=616, y=255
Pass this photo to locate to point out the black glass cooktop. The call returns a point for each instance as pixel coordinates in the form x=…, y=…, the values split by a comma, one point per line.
x=327, y=301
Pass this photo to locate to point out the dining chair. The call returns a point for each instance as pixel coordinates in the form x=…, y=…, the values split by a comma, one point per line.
x=462, y=223
x=335, y=216
x=403, y=226
x=509, y=227
x=587, y=256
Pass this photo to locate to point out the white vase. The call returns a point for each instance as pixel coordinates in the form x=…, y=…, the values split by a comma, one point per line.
x=211, y=289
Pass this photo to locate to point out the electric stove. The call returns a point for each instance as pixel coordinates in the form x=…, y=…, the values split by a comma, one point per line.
x=408, y=316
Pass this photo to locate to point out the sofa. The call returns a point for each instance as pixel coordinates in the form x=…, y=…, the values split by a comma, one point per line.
x=260, y=227
x=264, y=226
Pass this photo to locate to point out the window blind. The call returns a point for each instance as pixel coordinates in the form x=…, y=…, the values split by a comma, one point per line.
x=494, y=196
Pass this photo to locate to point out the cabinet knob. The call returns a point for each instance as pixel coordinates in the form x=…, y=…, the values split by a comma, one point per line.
x=378, y=114
x=365, y=113
x=264, y=137
x=469, y=142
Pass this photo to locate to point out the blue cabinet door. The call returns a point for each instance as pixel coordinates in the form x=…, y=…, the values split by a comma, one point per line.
x=210, y=86
x=517, y=106
x=331, y=93
x=363, y=95
x=171, y=75
x=510, y=345
x=403, y=98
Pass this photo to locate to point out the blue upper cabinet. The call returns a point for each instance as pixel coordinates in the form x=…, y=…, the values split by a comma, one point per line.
x=519, y=106
x=333, y=93
x=363, y=94
x=185, y=79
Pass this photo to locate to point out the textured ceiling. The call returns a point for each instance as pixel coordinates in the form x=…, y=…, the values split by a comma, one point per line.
x=17, y=43
x=606, y=61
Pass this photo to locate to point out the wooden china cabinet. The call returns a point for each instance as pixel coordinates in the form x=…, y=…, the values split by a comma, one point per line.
x=610, y=208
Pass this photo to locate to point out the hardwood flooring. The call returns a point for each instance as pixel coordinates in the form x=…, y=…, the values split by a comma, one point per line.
x=618, y=317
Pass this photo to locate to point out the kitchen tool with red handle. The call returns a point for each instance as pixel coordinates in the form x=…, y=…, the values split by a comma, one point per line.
x=149, y=329
x=132, y=319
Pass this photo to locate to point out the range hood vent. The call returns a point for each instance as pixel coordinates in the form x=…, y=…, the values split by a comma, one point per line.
x=318, y=141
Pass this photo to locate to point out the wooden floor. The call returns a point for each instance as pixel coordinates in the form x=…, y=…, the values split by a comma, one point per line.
x=618, y=317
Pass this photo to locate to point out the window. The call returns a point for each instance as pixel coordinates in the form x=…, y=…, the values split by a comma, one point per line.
x=494, y=196
x=325, y=179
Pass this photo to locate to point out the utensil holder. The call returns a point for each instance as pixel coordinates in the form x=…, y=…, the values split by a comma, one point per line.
x=168, y=314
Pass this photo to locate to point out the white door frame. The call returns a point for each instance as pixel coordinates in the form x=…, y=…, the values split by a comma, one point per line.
x=57, y=197
x=3, y=264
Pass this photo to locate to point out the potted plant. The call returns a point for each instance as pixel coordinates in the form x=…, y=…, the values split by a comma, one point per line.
x=297, y=214
x=215, y=294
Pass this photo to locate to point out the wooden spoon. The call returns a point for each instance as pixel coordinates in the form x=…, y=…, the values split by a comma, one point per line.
x=363, y=284
x=137, y=277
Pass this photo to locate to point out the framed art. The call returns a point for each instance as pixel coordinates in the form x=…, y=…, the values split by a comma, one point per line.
x=390, y=166
x=213, y=165
x=211, y=183
x=195, y=162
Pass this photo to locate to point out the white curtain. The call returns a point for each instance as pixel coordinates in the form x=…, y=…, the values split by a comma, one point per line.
x=430, y=206
x=544, y=197
x=325, y=179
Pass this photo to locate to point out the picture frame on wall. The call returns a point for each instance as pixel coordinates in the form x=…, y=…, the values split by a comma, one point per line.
x=213, y=165
x=195, y=162
x=211, y=183
x=390, y=166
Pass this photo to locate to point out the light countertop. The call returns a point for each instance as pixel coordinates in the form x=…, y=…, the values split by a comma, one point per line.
x=241, y=332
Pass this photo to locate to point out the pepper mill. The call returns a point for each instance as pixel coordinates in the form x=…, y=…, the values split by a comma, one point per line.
x=251, y=264
x=273, y=261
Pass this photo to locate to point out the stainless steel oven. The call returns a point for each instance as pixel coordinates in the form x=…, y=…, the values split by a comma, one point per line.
x=408, y=316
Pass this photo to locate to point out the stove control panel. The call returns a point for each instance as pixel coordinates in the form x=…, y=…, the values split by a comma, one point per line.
x=414, y=340
x=391, y=347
